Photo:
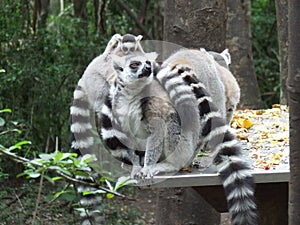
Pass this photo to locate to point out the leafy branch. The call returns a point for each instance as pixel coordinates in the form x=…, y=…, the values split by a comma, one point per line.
x=66, y=166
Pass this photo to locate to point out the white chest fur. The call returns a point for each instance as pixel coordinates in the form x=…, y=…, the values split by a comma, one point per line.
x=128, y=114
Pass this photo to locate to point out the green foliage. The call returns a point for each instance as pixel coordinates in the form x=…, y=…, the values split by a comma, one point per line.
x=265, y=49
x=41, y=72
x=58, y=166
x=9, y=133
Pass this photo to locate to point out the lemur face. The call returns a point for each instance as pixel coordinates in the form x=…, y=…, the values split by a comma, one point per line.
x=128, y=47
x=130, y=43
x=134, y=71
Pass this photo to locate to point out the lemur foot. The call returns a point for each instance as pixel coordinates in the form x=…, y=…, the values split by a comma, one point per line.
x=147, y=172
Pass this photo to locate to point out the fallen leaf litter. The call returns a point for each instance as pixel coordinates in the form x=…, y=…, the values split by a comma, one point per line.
x=264, y=135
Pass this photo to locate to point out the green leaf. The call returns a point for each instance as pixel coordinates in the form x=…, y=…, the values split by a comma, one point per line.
x=98, y=191
x=88, y=158
x=2, y=70
x=2, y=122
x=38, y=162
x=68, y=196
x=21, y=143
x=49, y=198
x=123, y=181
x=48, y=178
x=5, y=111
x=17, y=130
x=67, y=155
x=34, y=175
x=60, y=169
x=110, y=195
x=18, y=145
x=11, y=130
x=45, y=157
x=56, y=178
x=15, y=123
x=21, y=174
x=80, y=209
x=58, y=156
x=109, y=185
x=82, y=174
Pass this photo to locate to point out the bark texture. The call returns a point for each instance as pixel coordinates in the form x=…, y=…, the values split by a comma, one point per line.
x=40, y=14
x=282, y=29
x=80, y=11
x=293, y=88
x=192, y=24
x=195, y=24
x=238, y=41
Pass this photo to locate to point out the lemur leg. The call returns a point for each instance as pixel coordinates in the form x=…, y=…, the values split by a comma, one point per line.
x=154, y=147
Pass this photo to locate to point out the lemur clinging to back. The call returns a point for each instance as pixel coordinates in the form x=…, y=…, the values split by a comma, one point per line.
x=232, y=89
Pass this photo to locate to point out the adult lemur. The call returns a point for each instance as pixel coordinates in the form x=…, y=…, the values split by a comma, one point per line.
x=166, y=118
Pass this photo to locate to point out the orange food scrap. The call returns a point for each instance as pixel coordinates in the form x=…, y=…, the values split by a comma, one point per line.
x=247, y=124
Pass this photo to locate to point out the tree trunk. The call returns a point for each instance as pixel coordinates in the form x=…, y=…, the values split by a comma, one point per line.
x=99, y=7
x=293, y=88
x=195, y=24
x=239, y=44
x=40, y=14
x=282, y=29
x=158, y=22
x=80, y=11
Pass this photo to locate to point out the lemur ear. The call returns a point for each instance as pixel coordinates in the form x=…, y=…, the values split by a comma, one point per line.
x=118, y=62
x=226, y=55
x=151, y=56
x=138, y=38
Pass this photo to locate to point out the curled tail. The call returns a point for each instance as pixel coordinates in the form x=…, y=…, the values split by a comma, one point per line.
x=234, y=171
x=82, y=141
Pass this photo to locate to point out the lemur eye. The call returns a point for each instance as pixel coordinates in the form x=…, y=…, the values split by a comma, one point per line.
x=134, y=65
x=120, y=69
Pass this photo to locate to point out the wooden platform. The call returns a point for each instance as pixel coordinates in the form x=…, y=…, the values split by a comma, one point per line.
x=271, y=193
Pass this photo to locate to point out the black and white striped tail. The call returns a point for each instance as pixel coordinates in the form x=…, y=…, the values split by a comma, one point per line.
x=82, y=140
x=181, y=95
x=81, y=125
x=235, y=172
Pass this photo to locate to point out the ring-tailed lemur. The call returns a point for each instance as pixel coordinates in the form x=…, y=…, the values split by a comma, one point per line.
x=135, y=119
x=87, y=103
x=138, y=118
x=232, y=89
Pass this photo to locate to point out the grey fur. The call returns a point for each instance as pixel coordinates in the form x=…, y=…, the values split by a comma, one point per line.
x=232, y=89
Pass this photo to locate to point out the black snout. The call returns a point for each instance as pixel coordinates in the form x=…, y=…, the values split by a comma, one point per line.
x=146, y=71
